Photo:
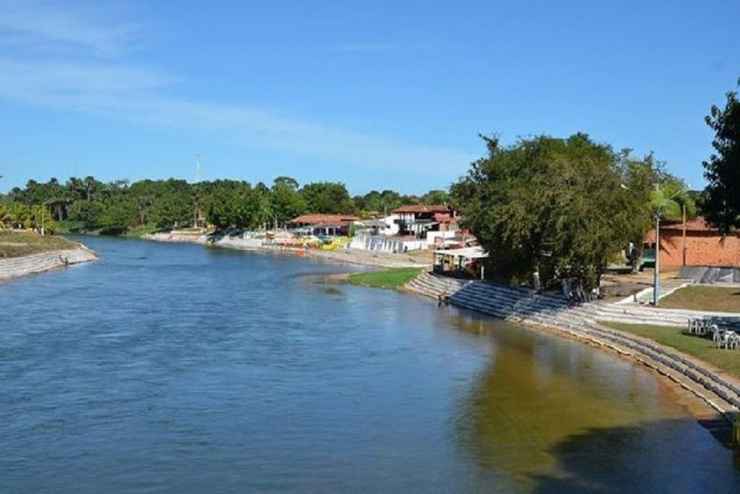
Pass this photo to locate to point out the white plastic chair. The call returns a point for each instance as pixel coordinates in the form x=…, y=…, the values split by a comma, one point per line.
x=733, y=340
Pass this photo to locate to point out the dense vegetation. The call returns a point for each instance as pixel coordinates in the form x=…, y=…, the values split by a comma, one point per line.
x=548, y=208
x=722, y=171
x=119, y=207
x=18, y=215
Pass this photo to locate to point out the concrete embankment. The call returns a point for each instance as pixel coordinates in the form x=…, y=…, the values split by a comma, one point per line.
x=344, y=256
x=37, y=263
x=720, y=391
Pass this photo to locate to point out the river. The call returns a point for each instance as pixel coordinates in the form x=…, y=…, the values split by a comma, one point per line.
x=176, y=368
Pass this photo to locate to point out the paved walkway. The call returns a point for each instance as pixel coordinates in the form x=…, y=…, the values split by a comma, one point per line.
x=666, y=288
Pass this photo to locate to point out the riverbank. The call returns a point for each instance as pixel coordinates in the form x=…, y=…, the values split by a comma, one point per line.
x=344, y=256
x=19, y=243
x=716, y=389
x=714, y=393
x=393, y=279
x=17, y=267
x=26, y=252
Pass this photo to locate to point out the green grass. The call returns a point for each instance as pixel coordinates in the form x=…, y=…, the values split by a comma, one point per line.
x=17, y=244
x=67, y=226
x=701, y=348
x=140, y=231
x=709, y=298
x=389, y=278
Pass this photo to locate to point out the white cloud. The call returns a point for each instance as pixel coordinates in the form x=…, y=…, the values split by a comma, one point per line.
x=38, y=24
x=138, y=96
x=143, y=96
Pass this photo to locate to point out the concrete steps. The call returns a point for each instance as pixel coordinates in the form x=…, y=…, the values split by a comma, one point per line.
x=526, y=306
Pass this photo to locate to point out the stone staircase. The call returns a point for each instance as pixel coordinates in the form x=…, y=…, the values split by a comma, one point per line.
x=38, y=263
x=581, y=321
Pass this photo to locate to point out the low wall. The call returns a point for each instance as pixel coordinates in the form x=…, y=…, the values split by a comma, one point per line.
x=702, y=249
x=381, y=243
x=177, y=237
x=711, y=274
x=442, y=235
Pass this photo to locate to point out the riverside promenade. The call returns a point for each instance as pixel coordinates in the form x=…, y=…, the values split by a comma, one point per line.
x=583, y=321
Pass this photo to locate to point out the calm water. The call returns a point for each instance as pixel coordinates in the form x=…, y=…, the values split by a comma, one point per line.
x=173, y=368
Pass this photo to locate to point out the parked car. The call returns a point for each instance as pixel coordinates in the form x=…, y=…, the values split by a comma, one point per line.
x=648, y=259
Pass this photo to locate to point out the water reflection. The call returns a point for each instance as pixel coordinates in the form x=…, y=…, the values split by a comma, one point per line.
x=172, y=368
x=652, y=456
x=555, y=416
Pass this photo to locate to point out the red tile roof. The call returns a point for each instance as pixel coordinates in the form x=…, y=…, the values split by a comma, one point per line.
x=324, y=219
x=698, y=224
x=422, y=208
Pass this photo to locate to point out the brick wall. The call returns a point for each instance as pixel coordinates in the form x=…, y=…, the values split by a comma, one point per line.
x=702, y=249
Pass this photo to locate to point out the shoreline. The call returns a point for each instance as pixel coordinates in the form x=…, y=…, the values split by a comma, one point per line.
x=710, y=405
x=713, y=393
x=18, y=267
x=339, y=256
x=702, y=403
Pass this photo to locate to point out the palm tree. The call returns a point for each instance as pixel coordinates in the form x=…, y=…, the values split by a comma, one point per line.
x=671, y=201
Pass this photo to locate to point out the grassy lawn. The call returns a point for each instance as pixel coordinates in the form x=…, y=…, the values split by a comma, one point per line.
x=701, y=348
x=66, y=226
x=17, y=244
x=709, y=298
x=140, y=231
x=389, y=278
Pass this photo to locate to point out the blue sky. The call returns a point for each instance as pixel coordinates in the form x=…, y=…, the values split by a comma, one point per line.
x=374, y=94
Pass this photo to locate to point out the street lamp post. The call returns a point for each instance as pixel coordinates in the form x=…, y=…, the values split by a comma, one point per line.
x=656, y=271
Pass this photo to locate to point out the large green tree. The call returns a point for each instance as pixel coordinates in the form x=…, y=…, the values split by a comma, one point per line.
x=722, y=170
x=548, y=208
x=327, y=197
x=287, y=202
x=436, y=197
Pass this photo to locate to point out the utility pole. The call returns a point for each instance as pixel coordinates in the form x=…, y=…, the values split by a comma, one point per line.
x=198, y=177
x=683, y=213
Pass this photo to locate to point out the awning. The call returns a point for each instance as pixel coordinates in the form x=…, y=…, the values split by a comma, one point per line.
x=467, y=252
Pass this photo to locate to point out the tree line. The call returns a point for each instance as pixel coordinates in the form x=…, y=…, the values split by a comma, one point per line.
x=544, y=208
x=116, y=207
